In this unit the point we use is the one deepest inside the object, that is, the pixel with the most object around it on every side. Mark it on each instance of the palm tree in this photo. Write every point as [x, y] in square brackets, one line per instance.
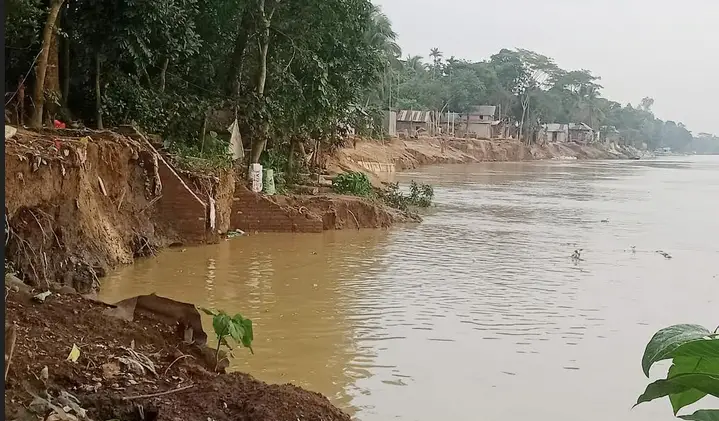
[436, 55]
[414, 63]
[436, 59]
[381, 36]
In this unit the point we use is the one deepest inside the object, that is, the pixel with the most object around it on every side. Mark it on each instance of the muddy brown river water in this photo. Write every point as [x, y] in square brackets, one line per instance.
[479, 312]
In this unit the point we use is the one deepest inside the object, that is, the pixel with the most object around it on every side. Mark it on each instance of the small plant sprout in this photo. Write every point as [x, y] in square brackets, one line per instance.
[237, 327]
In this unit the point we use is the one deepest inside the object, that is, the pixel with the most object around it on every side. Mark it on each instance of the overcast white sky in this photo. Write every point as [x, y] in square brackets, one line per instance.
[665, 49]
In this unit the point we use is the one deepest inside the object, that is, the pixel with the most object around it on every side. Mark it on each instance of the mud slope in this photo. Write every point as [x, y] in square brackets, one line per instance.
[109, 385]
[396, 154]
[80, 203]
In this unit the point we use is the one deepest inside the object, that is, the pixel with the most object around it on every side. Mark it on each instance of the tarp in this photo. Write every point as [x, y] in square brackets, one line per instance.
[165, 310]
[236, 148]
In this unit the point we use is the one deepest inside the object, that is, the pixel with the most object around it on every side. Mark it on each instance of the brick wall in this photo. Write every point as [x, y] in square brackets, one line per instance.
[179, 210]
[254, 212]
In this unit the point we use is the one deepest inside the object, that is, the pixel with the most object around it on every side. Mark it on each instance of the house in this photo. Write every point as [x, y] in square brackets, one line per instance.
[414, 122]
[479, 121]
[580, 133]
[555, 133]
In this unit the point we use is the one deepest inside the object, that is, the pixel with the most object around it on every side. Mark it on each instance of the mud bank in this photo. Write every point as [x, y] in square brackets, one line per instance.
[376, 157]
[79, 203]
[109, 385]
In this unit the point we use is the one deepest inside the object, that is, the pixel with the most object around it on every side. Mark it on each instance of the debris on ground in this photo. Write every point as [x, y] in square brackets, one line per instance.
[137, 369]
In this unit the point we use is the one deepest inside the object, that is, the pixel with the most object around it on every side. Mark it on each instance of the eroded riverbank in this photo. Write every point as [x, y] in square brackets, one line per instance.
[481, 299]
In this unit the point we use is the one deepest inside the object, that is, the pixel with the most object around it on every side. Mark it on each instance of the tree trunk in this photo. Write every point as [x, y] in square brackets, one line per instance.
[65, 71]
[41, 69]
[291, 157]
[233, 76]
[98, 94]
[258, 144]
[163, 74]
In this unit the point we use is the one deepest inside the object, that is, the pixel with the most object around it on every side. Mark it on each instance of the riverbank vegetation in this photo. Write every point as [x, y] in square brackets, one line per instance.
[295, 75]
[694, 373]
[358, 184]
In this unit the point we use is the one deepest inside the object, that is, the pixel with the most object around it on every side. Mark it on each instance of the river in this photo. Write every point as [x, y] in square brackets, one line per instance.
[479, 312]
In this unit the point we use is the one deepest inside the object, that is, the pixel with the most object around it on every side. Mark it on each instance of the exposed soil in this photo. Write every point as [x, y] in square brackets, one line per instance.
[76, 206]
[347, 212]
[81, 202]
[105, 387]
[376, 157]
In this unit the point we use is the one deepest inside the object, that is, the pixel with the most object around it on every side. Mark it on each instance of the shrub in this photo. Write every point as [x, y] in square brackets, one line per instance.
[354, 183]
[238, 328]
[694, 373]
[420, 195]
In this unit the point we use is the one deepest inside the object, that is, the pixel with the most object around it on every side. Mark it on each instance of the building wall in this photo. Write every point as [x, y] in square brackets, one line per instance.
[253, 212]
[482, 130]
[390, 122]
[580, 136]
[183, 212]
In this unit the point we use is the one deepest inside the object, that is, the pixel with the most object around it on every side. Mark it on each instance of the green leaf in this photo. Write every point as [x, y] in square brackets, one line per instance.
[703, 415]
[236, 331]
[683, 365]
[221, 324]
[249, 335]
[659, 389]
[703, 348]
[667, 340]
[707, 383]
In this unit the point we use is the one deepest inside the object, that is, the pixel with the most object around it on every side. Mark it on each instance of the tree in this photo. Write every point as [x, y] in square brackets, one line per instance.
[38, 96]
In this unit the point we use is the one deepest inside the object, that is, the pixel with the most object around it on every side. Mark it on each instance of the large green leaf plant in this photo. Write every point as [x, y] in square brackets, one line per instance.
[694, 373]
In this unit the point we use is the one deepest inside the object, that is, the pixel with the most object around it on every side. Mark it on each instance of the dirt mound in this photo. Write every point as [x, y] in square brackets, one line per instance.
[374, 157]
[72, 208]
[109, 388]
[81, 202]
[342, 212]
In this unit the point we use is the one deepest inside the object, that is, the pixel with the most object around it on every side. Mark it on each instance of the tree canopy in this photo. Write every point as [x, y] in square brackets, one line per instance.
[289, 70]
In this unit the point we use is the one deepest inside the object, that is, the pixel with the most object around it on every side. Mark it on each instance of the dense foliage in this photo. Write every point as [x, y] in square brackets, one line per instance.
[288, 70]
[354, 183]
[694, 373]
[294, 73]
[420, 196]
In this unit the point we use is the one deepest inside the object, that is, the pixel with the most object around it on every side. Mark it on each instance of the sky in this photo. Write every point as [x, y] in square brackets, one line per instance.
[664, 49]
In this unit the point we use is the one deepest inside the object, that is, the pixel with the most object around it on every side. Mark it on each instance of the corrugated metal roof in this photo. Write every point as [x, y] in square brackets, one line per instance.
[485, 110]
[555, 127]
[414, 116]
[579, 126]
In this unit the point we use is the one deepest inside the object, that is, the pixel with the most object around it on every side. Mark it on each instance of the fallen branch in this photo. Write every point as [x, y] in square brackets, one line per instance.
[152, 202]
[353, 215]
[119, 205]
[176, 360]
[154, 395]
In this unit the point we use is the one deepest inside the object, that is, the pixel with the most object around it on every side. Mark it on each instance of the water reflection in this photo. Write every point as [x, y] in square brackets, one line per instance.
[479, 312]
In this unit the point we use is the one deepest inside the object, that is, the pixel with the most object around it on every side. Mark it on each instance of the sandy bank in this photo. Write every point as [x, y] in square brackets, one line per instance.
[375, 157]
